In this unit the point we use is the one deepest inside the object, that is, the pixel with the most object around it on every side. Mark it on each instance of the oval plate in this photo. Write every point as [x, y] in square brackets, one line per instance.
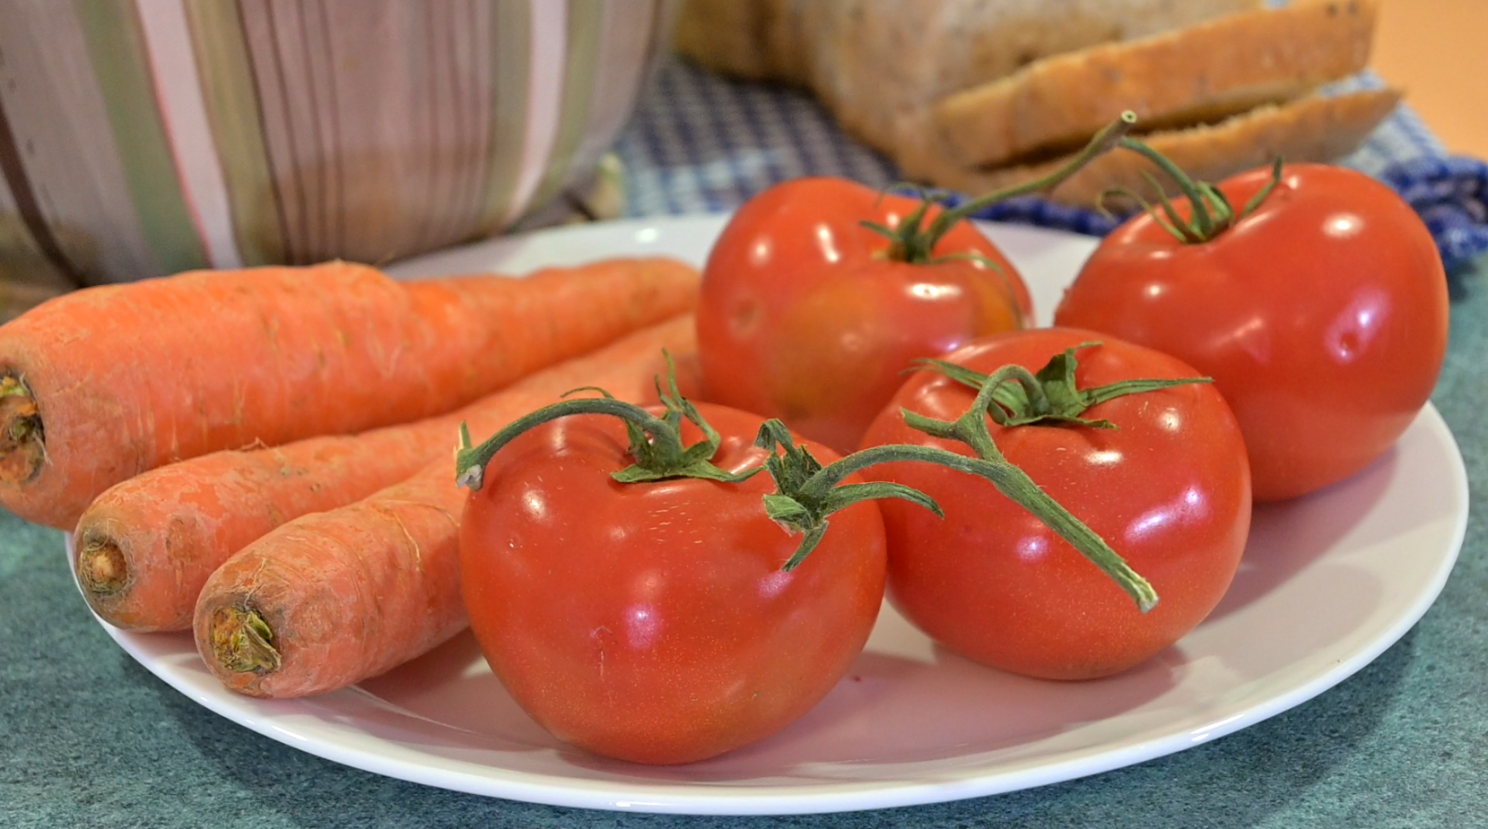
[1328, 583]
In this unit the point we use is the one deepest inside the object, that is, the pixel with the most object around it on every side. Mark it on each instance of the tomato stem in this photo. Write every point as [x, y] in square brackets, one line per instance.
[1102, 142]
[1012, 396]
[1015, 484]
[1212, 212]
[655, 442]
[910, 243]
[1053, 395]
[807, 493]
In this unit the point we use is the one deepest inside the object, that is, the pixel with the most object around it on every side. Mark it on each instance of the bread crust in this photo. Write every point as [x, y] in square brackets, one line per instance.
[895, 74]
[1315, 128]
[877, 64]
[1197, 74]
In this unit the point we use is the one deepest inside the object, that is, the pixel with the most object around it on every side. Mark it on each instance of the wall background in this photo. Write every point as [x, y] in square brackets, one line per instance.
[1437, 51]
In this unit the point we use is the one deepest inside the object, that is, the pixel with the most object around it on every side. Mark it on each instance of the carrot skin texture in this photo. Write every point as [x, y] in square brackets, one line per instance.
[146, 545]
[126, 378]
[347, 594]
[161, 534]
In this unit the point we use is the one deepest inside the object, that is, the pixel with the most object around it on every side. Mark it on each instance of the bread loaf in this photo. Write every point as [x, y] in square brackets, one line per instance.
[976, 95]
[876, 63]
[1314, 128]
[1198, 74]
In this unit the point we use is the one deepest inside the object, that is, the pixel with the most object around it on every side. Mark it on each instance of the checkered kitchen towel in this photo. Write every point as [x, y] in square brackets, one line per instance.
[699, 142]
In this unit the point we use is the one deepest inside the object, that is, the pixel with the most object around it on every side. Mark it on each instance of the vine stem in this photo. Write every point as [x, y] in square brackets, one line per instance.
[807, 492]
[909, 242]
[655, 442]
[1104, 141]
[1013, 482]
[1212, 212]
[471, 461]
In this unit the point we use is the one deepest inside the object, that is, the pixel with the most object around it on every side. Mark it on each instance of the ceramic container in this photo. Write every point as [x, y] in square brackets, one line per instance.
[147, 137]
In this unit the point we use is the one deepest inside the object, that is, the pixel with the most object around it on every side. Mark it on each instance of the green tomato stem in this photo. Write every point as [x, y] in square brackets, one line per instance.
[909, 242]
[809, 493]
[1012, 396]
[1104, 141]
[1053, 395]
[1212, 212]
[655, 442]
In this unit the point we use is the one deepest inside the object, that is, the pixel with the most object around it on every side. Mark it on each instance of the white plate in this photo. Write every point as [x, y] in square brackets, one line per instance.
[1328, 583]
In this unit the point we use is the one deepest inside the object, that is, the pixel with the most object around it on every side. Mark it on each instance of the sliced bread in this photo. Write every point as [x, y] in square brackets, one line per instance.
[1198, 74]
[1314, 128]
[876, 63]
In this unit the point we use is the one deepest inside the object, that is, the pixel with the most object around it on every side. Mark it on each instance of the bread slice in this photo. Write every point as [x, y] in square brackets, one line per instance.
[1193, 75]
[876, 63]
[1314, 128]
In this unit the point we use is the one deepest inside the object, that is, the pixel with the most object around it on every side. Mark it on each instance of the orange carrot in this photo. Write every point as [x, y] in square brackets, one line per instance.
[332, 598]
[105, 383]
[146, 546]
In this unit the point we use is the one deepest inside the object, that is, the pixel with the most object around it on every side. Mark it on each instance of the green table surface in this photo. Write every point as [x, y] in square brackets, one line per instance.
[90, 738]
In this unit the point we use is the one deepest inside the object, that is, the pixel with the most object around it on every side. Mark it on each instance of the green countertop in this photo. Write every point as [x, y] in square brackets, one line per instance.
[89, 738]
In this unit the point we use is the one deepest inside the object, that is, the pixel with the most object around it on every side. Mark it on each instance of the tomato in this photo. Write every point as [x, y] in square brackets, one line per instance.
[805, 316]
[653, 621]
[1168, 488]
[1322, 317]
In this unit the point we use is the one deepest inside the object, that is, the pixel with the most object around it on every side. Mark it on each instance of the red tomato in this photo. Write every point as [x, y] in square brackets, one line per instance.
[805, 317]
[652, 621]
[1168, 489]
[1321, 316]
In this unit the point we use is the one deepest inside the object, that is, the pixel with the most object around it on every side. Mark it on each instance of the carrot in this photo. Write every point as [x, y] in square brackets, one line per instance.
[331, 598]
[102, 384]
[146, 546]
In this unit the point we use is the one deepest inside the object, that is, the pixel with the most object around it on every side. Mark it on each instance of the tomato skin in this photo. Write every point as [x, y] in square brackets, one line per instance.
[803, 317]
[1322, 317]
[652, 622]
[1169, 490]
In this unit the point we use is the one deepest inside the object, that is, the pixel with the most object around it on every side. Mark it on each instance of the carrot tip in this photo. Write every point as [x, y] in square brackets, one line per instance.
[242, 642]
[22, 440]
[102, 568]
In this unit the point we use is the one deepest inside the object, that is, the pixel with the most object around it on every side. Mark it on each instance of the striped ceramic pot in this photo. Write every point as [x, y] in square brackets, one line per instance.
[146, 137]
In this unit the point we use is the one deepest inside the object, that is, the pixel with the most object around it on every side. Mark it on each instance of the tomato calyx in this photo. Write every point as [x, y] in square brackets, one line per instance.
[655, 442]
[911, 241]
[807, 492]
[1212, 212]
[1011, 394]
[1052, 395]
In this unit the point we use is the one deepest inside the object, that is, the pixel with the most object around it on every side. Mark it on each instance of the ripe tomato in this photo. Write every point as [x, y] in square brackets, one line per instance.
[1321, 316]
[653, 621]
[1168, 488]
[807, 317]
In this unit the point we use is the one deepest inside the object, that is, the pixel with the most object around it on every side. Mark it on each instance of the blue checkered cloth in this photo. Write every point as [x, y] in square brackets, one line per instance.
[699, 142]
